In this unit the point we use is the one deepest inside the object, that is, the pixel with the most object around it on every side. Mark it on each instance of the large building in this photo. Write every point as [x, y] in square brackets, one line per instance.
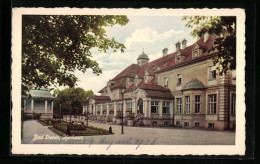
[182, 88]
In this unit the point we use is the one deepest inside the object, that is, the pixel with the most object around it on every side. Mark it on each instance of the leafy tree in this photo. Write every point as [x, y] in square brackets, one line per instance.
[225, 30]
[71, 100]
[54, 46]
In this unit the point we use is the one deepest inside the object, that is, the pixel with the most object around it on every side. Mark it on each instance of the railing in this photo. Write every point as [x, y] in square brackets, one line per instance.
[155, 115]
[166, 115]
[138, 117]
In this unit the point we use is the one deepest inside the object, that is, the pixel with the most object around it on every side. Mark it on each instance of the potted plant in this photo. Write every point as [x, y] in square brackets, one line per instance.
[130, 120]
[119, 118]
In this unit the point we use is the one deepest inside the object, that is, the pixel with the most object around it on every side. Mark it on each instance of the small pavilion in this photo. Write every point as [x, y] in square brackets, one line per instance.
[38, 101]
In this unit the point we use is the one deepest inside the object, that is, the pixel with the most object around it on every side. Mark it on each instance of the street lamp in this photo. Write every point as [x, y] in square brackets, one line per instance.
[122, 131]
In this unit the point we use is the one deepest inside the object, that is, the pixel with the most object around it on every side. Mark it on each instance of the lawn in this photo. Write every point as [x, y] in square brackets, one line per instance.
[73, 129]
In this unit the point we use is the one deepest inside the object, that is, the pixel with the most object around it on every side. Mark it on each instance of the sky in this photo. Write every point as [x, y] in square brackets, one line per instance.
[148, 33]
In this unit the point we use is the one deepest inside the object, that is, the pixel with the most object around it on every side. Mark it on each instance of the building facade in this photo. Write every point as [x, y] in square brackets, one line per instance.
[183, 88]
[38, 101]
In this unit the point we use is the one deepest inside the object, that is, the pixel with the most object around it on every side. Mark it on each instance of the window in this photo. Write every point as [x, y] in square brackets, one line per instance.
[166, 82]
[166, 107]
[233, 104]
[98, 108]
[119, 107]
[48, 105]
[39, 105]
[197, 103]
[136, 82]
[187, 104]
[213, 104]
[104, 107]
[154, 106]
[178, 60]
[212, 73]
[129, 106]
[186, 124]
[195, 53]
[166, 123]
[179, 77]
[111, 106]
[178, 123]
[211, 125]
[28, 104]
[179, 105]
[197, 124]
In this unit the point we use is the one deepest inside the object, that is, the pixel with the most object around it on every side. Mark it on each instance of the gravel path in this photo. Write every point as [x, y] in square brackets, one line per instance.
[132, 135]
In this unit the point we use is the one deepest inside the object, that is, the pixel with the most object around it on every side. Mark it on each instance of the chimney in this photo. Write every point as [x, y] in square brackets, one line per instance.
[184, 43]
[165, 51]
[178, 46]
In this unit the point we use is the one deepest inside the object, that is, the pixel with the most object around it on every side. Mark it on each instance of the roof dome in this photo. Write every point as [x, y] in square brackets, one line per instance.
[193, 84]
[143, 56]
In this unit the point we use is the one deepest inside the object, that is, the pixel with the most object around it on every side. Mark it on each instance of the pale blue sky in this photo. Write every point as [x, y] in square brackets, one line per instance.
[151, 33]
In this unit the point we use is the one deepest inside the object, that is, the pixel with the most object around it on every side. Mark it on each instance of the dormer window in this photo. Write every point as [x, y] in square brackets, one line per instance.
[179, 79]
[166, 82]
[178, 60]
[196, 53]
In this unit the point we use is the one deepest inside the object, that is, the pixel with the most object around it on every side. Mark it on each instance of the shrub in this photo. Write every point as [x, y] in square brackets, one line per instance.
[36, 115]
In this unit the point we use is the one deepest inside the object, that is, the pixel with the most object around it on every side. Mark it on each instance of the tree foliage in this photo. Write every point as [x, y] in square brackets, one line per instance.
[54, 46]
[71, 100]
[225, 30]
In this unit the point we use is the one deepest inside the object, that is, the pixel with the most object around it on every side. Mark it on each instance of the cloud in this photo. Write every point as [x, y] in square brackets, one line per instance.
[148, 35]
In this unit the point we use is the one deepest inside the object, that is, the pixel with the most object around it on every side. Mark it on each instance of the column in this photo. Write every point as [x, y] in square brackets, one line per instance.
[149, 108]
[171, 109]
[32, 103]
[101, 109]
[115, 108]
[107, 109]
[160, 108]
[46, 105]
[51, 106]
[124, 108]
[94, 109]
[134, 107]
[145, 107]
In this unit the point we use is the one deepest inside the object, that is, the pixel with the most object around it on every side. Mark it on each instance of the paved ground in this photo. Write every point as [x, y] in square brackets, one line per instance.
[34, 133]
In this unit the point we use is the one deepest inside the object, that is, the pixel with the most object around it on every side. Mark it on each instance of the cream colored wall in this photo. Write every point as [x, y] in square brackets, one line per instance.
[197, 70]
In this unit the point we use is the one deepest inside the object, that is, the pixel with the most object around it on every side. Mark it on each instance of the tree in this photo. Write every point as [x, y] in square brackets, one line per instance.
[71, 100]
[225, 30]
[54, 46]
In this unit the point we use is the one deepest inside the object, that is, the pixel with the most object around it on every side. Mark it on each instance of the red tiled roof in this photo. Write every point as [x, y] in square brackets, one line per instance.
[119, 83]
[159, 94]
[103, 90]
[101, 99]
[130, 71]
[154, 87]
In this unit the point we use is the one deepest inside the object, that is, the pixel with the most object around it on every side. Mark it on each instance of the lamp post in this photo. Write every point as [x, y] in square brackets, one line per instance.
[122, 130]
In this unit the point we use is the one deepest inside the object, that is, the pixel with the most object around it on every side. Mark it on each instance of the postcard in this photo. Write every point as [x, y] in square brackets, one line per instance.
[99, 81]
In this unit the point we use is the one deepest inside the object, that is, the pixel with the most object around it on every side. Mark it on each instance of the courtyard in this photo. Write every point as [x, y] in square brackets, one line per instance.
[35, 133]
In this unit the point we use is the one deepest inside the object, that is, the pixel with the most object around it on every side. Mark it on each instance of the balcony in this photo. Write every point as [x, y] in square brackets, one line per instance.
[166, 116]
[155, 115]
